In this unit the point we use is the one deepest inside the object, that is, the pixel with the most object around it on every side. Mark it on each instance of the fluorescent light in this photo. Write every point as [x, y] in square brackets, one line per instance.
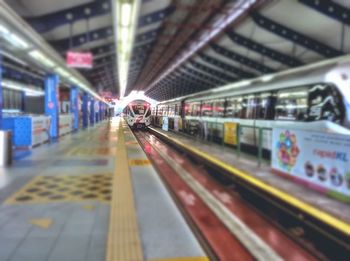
[126, 9]
[125, 22]
[28, 89]
[62, 72]
[40, 57]
[4, 30]
[18, 41]
[12, 38]
[267, 78]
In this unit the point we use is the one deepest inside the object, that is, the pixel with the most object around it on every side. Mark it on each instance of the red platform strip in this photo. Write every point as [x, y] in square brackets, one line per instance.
[221, 241]
[276, 239]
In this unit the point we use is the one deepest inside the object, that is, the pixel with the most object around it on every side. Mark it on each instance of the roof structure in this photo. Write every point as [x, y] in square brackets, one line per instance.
[186, 46]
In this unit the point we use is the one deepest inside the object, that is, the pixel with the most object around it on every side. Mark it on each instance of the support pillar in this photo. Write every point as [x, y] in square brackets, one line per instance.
[23, 101]
[101, 110]
[1, 96]
[97, 111]
[85, 110]
[92, 111]
[51, 103]
[74, 107]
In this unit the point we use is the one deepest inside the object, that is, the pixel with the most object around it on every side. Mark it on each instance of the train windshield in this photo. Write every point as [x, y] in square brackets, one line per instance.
[139, 109]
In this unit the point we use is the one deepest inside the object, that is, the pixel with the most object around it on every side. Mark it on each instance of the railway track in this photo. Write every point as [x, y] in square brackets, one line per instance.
[231, 222]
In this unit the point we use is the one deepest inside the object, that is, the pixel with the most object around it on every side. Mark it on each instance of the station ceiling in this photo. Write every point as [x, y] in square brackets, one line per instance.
[186, 46]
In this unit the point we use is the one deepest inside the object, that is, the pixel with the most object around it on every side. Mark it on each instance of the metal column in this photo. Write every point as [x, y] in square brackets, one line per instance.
[1, 97]
[51, 103]
[92, 111]
[74, 107]
[85, 110]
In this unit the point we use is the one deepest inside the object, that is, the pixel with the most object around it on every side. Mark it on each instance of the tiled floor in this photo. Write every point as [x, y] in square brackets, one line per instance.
[76, 227]
[55, 201]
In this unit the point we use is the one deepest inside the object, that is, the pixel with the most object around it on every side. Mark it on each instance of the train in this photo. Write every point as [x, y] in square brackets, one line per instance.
[138, 114]
[311, 97]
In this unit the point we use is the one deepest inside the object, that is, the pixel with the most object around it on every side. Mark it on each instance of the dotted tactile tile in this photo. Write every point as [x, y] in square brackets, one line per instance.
[44, 189]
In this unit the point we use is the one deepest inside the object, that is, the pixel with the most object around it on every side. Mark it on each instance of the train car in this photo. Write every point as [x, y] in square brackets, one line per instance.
[313, 97]
[138, 114]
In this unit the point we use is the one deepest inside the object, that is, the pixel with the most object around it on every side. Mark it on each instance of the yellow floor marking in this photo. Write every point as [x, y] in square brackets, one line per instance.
[139, 162]
[44, 223]
[89, 207]
[123, 238]
[311, 210]
[64, 188]
[195, 258]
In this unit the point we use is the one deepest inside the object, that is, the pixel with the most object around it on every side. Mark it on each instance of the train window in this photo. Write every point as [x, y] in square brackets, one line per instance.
[171, 110]
[234, 107]
[242, 108]
[139, 109]
[177, 109]
[188, 109]
[325, 103]
[165, 110]
[251, 102]
[207, 109]
[292, 105]
[196, 109]
[219, 108]
[265, 106]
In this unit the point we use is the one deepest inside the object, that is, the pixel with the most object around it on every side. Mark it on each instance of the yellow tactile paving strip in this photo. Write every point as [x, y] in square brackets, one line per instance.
[64, 188]
[199, 258]
[123, 243]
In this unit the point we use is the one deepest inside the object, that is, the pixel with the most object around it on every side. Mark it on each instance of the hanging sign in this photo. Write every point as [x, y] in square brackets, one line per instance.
[79, 60]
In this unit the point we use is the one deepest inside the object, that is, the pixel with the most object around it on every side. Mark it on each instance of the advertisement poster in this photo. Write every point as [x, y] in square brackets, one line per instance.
[165, 125]
[321, 159]
[230, 130]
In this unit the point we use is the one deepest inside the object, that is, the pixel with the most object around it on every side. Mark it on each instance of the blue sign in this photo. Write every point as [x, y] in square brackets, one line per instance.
[51, 103]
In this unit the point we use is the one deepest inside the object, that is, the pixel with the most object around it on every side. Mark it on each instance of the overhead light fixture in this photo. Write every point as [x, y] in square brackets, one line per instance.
[28, 89]
[12, 38]
[40, 57]
[125, 21]
[62, 73]
[126, 9]
[267, 78]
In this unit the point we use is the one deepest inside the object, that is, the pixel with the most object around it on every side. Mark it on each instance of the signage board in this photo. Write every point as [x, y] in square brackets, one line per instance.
[319, 159]
[230, 133]
[79, 60]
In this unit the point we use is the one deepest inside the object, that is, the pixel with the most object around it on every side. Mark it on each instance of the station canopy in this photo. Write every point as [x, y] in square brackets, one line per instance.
[170, 48]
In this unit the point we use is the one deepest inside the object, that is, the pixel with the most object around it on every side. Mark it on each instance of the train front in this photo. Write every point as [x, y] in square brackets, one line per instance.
[139, 114]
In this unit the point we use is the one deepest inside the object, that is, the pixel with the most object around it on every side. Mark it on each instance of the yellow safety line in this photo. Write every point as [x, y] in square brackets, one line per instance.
[195, 258]
[316, 213]
[123, 238]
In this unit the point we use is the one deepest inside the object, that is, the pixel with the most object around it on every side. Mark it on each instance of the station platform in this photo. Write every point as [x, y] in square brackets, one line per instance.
[326, 210]
[91, 196]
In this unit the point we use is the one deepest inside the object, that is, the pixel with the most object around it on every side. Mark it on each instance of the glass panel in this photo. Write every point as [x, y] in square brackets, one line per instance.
[292, 105]
[207, 109]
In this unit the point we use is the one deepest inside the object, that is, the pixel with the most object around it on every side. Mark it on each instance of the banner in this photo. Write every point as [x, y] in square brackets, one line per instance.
[165, 125]
[79, 60]
[317, 158]
[230, 133]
